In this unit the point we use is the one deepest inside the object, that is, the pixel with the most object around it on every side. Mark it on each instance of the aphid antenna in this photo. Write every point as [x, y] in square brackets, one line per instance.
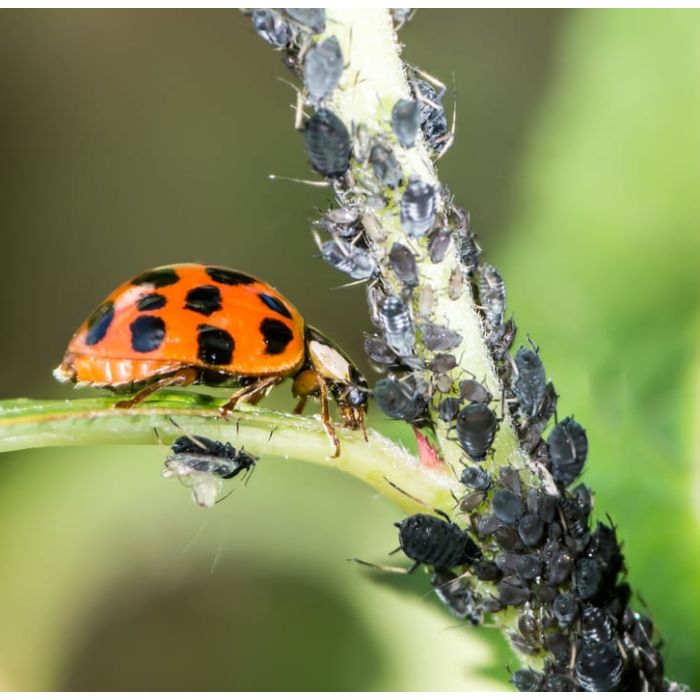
[194, 439]
[299, 181]
[408, 18]
[349, 284]
[449, 138]
[416, 499]
[535, 347]
[386, 569]
[272, 432]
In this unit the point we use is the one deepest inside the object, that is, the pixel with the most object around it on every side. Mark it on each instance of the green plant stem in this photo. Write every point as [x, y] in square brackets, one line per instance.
[26, 424]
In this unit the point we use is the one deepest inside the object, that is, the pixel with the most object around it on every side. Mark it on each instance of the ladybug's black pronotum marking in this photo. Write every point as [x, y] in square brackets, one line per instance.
[162, 277]
[476, 430]
[204, 300]
[98, 324]
[151, 302]
[418, 206]
[277, 335]
[323, 66]
[436, 542]
[405, 121]
[275, 304]
[327, 144]
[147, 333]
[214, 345]
[230, 277]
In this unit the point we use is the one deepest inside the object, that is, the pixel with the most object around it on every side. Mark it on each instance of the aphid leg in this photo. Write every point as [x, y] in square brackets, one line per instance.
[313, 183]
[254, 391]
[182, 377]
[387, 569]
[449, 138]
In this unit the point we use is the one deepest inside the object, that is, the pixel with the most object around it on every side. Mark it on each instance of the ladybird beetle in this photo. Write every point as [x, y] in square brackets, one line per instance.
[196, 324]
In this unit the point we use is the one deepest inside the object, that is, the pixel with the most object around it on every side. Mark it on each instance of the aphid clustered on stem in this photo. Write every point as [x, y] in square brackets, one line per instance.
[526, 554]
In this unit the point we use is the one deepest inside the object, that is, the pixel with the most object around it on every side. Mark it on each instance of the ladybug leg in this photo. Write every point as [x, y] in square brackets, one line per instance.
[301, 403]
[326, 418]
[251, 394]
[183, 377]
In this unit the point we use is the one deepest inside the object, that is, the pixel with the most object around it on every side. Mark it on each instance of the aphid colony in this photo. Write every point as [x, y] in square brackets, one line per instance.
[531, 547]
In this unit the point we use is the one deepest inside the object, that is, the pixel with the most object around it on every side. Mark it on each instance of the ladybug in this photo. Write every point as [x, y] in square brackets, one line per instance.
[197, 324]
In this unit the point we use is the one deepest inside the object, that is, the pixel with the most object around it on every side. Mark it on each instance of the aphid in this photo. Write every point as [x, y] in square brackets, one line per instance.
[448, 409]
[473, 391]
[418, 207]
[510, 592]
[439, 338]
[605, 550]
[379, 352]
[507, 538]
[528, 567]
[400, 399]
[596, 626]
[327, 144]
[433, 120]
[436, 542]
[395, 319]
[486, 570]
[492, 295]
[476, 478]
[529, 640]
[455, 285]
[530, 530]
[599, 667]
[476, 430]
[486, 525]
[469, 250]
[438, 244]
[271, 27]
[196, 324]
[456, 596]
[559, 683]
[405, 121]
[323, 66]
[350, 259]
[442, 362]
[531, 432]
[560, 646]
[509, 478]
[565, 609]
[559, 567]
[314, 18]
[342, 223]
[568, 449]
[375, 299]
[426, 300]
[576, 519]
[507, 506]
[443, 383]
[588, 578]
[403, 263]
[471, 501]
[501, 339]
[203, 464]
[530, 381]
[385, 166]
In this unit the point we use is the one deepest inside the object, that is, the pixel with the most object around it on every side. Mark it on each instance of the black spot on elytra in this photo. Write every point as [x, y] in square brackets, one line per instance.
[277, 335]
[98, 324]
[204, 300]
[226, 276]
[215, 345]
[275, 304]
[151, 302]
[147, 333]
[162, 277]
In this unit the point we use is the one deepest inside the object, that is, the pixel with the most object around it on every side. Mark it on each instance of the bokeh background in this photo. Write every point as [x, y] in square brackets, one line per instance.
[130, 139]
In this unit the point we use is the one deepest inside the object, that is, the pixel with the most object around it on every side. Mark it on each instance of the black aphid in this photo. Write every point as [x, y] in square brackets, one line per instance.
[314, 18]
[399, 399]
[385, 166]
[350, 259]
[599, 667]
[559, 683]
[476, 430]
[418, 207]
[396, 322]
[405, 121]
[343, 222]
[438, 243]
[271, 27]
[379, 352]
[433, 120]
[327, 144]
[596, 625]
[448, 409]
[530, 530]
[473, 391]
[469, 250]
[568, 449]
[430, 540]
[456, 596]
[442, 362]
[440, 338]
[565, 609]
[511, 592]
[559, 567]
[323, 66]
[486, 570]
[530, 381]
[588, 578]
[492, 295]
[476, 478]
[403, 263]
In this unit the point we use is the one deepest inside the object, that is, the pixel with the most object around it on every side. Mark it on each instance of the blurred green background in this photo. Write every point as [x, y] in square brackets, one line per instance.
[130, 139]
